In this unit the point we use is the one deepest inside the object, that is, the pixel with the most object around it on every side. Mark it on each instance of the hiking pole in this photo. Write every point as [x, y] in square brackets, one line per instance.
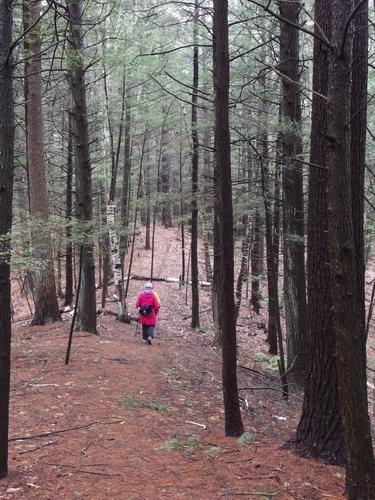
[137, 327]
[67, 356]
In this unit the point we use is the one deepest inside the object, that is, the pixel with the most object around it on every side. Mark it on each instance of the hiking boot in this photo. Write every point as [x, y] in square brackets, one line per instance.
[149, 340]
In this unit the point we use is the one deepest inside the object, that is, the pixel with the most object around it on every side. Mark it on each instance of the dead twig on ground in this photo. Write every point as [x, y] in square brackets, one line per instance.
[61, 431]
[48, 443]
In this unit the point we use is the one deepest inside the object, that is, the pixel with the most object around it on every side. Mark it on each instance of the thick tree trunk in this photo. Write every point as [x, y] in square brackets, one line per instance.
[346, 301]
[194, 178]
[223, 193]
[358, 123]
[6, 191]
[45, 297]
[86, 314]
[320, 431]
[293, 212]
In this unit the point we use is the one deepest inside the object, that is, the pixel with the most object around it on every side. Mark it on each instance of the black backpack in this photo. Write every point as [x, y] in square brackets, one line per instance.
[146, 309]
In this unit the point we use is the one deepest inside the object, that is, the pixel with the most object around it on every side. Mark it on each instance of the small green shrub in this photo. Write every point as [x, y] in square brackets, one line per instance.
[188, 444]
[246, 438]
[170, 445]
[273, 364]
[272, 361]
[214, 451]
[192, 442]
[132, 402]
[260, 356]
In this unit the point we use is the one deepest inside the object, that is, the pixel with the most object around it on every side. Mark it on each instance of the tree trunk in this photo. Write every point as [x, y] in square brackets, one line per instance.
[273, 300]
[358, 117]
[45, 297]
[346, 300]
[320, 431]
[104, 244]
[243, 274]
[125, 185]
[255, 260]
[6, 191]
[194, 177]
[223, 193]
[165, 174]
[69, 215]
[148, 204]
[293, 217]
[116, 262]
[182, 211]
[86, 314]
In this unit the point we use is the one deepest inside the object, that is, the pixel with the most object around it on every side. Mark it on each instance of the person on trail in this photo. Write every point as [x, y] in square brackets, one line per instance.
[148, 307]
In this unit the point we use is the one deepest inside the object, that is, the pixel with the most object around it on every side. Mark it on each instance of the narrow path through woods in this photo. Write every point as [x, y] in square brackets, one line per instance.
[128, 408]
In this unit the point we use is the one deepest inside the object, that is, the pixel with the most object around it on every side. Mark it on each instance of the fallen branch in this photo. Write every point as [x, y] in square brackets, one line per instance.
[203, 426]
[48, 443]
[256, 493]
[76, 470]
[52, 433]
[61, 431]
[258, 372]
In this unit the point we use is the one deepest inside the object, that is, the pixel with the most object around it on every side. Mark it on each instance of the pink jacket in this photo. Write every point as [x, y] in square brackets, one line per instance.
[148, 299]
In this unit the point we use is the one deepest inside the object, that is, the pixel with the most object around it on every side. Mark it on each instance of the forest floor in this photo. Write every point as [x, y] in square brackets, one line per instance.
[120, 422]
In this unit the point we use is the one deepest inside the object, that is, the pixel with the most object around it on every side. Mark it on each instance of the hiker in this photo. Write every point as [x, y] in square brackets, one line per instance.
[148, 307]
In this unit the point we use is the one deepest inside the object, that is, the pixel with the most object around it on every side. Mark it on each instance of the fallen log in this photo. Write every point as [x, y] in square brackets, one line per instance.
[137, 277]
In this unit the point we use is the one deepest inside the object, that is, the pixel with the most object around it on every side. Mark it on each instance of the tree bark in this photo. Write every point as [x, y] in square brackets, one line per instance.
[273, 297]
[86, 314]
[194, 177]
[165, 174]
[243, 273]
[224, 206]
[255, 261]
[293, 212]
[6, 191]
[351, 362]
[358, 124]
[45, 296]
[320, 431]
[69, 215]
[125, 184]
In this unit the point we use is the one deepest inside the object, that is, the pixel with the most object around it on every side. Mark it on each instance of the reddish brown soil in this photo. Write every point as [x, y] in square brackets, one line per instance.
[110, 450]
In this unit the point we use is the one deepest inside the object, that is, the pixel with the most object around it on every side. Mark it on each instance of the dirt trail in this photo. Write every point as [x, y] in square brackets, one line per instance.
[136, 402]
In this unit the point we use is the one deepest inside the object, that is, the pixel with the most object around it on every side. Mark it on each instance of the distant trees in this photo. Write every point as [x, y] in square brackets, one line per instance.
[6, 192]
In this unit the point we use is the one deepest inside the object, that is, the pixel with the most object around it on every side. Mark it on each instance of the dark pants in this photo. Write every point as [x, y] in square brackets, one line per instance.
[148, 331]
